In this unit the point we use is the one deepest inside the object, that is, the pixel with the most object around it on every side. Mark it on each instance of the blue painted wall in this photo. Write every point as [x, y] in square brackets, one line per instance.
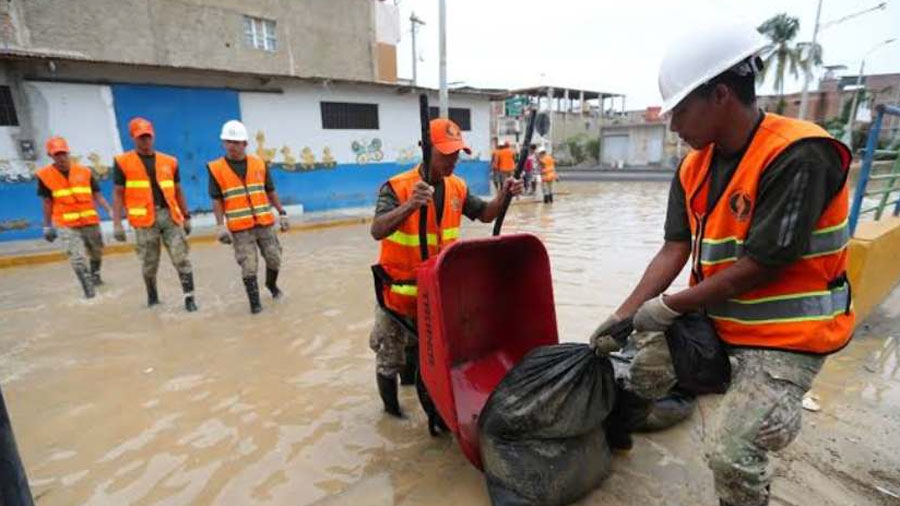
[187, 123]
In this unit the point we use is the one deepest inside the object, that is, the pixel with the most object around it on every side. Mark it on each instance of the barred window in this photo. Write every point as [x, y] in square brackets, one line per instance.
[8, 115]
[349, 116]
[459, 115]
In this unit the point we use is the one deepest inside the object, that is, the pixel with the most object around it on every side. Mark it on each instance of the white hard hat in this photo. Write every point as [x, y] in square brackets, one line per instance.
[234, 130]
[703, 54]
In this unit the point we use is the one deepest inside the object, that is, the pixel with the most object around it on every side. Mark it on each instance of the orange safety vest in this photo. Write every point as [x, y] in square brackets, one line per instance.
[506, 160]
[246, 202]
[139, 203]
[548, 169]
[807, 308]
[400, 255]
[72, 201]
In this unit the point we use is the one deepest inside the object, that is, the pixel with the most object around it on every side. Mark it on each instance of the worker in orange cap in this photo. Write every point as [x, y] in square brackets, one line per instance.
[396, 225]
[69, 192]
[148, 191]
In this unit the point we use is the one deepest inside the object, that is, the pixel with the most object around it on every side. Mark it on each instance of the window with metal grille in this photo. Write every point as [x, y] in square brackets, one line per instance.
[459, 115]
[260, 33]
[349, 116]
[7, 108]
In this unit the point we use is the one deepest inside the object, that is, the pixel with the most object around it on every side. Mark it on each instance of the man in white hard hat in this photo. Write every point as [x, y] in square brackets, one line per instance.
[760, 207]
[243, 196]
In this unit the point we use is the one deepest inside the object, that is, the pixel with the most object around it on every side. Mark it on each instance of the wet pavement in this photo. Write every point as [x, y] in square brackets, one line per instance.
[116, 404]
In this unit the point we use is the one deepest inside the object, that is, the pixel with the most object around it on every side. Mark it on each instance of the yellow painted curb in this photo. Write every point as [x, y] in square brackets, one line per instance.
[46, 257]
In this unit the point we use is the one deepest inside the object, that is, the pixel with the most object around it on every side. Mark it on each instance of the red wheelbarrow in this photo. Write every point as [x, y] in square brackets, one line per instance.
[483, 304]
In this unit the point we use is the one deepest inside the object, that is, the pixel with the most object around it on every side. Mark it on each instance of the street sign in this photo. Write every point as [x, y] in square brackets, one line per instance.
[515, 106]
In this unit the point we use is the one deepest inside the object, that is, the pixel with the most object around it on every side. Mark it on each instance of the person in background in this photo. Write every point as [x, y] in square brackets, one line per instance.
[147, 189]
[548, 174]
[243, 196]
[506, 163]
[528, 170]
[70, 196]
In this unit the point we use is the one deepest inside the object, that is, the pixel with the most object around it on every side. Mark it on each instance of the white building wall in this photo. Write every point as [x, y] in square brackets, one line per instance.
[292, 120]
[82, 113]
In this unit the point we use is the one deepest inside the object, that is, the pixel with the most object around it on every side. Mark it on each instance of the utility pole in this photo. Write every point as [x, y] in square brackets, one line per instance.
[444, 97]
[807, 73]
[414, 21]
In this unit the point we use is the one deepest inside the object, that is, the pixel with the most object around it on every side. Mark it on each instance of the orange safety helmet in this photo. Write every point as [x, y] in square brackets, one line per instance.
[57, 144]
[140, 126]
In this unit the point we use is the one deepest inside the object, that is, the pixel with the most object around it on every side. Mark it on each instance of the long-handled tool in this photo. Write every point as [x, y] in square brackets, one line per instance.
[520, 166]
[425, 119]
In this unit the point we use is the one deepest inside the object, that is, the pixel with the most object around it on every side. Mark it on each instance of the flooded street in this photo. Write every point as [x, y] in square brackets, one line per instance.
[115, 404]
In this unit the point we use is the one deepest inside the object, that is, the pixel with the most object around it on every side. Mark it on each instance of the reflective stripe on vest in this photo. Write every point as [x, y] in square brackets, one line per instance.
[823, 305]
[400, 253]
[822, 242]
[71, 195]
[806, 306]
[245, 202]
[139, 196]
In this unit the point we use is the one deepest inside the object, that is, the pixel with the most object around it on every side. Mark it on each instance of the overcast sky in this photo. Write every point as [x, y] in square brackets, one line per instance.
[617, 45]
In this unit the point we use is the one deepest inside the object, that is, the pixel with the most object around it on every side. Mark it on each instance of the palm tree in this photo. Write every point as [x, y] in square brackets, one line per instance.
[780, 56]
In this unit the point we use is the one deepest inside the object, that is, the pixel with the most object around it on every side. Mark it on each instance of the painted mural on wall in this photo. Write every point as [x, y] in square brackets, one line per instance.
[367, 151]
[288, 161]
[13, 172]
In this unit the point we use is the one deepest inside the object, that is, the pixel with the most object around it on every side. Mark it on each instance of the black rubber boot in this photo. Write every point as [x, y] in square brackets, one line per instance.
[436, 424]
[253, 294]
[387, 389]
[546, 199]
[408, 375]
[152, 296]
[628, 414]
[87, 283]
[187, 286]
[95, 273]
[551, 198]
[272, 283]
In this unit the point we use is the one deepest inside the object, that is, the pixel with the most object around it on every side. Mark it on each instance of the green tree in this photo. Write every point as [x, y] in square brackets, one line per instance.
[780, 56]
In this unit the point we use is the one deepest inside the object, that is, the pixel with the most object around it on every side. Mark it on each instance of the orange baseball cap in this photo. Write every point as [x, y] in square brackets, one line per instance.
[57, 144]
[446, 136]
[140, 126]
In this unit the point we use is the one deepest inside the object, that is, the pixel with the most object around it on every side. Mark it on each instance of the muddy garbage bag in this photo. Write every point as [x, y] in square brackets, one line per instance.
[542, 431]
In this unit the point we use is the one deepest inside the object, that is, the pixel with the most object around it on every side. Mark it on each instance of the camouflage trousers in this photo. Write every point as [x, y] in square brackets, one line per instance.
[389, 340]
[246, 244]
[761, 412]
[82, 244]
[149, 241]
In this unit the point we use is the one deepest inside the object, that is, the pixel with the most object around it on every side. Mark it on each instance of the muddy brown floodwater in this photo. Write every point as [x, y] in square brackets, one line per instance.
[115, 404]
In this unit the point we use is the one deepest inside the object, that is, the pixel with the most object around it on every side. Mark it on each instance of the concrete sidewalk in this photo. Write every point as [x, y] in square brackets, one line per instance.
[38, 251]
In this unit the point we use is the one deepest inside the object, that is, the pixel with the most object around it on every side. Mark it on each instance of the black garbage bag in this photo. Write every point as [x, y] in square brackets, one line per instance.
[542, 431]
[701, 363]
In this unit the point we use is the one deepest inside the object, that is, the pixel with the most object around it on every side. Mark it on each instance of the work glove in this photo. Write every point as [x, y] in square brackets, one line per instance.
[611, 335]
[283, 223]
[187, 226]
[49, 234]
[224, 234]
[119, 232]
[654, 316]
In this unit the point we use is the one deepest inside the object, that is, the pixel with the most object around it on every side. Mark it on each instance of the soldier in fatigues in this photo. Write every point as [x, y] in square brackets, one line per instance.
[243, 196]
[69, 191]
[760, 207]
[396, 226]
[148, 191]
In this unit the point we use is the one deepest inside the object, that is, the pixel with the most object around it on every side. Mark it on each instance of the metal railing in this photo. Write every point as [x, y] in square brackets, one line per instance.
[889, 189]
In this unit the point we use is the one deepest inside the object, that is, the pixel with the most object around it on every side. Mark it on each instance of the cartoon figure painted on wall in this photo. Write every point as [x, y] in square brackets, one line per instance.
[307, 159]
[327, 158]
[268, 155]
[289, 163]
[100, 170]
[366, 153]
[409, 154]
